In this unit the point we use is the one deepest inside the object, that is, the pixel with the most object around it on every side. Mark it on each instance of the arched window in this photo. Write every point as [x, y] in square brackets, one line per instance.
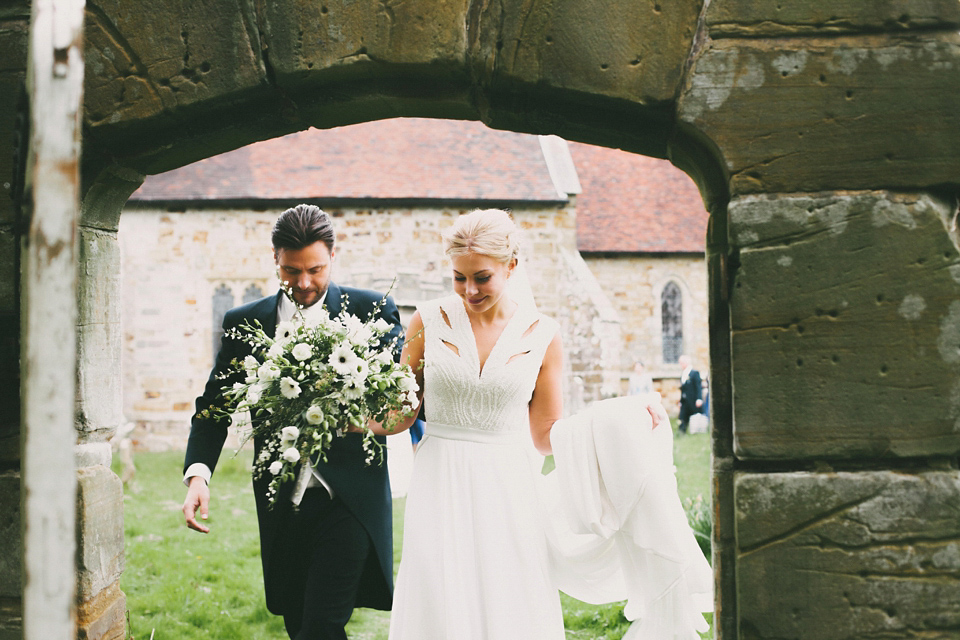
[671, 316]
[252, 293]
[222, 302]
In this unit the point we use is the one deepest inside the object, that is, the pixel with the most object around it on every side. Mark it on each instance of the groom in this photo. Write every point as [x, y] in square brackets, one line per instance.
[335, 551]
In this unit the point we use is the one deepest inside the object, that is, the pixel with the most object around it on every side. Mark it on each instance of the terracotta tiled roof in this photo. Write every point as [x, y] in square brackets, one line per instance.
[389, 159]
[635, 204]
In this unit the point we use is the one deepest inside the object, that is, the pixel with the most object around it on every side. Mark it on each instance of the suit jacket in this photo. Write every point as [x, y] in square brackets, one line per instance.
[364, 489]
[690, 392]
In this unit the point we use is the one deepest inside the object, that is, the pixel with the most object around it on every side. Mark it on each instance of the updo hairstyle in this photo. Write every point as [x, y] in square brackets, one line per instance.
[487, 232]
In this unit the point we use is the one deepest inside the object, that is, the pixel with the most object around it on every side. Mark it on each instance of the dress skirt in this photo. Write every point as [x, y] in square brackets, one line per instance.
[475, 555]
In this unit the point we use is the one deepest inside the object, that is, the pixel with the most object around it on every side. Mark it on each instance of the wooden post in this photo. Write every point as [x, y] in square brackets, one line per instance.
[49, 312]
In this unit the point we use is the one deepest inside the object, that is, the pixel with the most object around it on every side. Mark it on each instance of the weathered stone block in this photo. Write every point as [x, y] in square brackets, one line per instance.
[9, 348]
[146, 59]
[105, 196]
[316, 36]
[13, 63]
[99, 277]
[10, 552]
[99, 404]
[848, 555]
[11, 619]
[845, 321]
[100, 557]
[629, 49]
[777, 19]
[808, 115]
[103, 617]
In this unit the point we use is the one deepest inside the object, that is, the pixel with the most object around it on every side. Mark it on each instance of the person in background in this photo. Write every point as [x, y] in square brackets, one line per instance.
[640, 381]
[690, 392]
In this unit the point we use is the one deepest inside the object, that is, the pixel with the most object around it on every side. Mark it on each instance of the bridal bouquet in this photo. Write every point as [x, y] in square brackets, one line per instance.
[307, 384]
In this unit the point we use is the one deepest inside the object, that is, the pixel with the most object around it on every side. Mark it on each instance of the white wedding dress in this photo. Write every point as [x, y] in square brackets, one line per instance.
[488, 541]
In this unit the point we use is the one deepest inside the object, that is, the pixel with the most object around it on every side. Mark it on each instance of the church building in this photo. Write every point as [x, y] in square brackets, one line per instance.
[613, 245]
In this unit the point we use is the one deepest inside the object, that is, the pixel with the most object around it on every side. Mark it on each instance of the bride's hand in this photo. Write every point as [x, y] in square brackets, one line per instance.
[655, 408]
[654, 416]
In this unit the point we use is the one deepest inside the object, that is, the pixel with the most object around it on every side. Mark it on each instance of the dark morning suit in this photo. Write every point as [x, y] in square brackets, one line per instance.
[364, 490]
[690, 391]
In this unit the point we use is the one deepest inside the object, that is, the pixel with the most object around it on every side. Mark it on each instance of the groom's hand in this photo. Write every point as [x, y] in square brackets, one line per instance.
[198, 497]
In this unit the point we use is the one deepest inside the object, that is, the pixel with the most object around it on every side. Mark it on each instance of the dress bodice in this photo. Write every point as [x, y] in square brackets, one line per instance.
[457, 392]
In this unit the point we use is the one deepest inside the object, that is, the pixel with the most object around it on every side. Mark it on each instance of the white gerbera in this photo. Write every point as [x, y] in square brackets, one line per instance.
[302, 351]
[276, 467]
[268, 371]
[314, 414]
[291, 455]
[290, 434]
[353, 388]
[289, 387]
[342, 359]
[285, 331]
[359, 369]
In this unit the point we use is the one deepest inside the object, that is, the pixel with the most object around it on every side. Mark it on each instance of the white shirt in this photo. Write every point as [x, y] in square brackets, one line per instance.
[312, 478]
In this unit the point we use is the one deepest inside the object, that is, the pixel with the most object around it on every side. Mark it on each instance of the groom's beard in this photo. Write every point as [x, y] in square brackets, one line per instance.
[308, 297]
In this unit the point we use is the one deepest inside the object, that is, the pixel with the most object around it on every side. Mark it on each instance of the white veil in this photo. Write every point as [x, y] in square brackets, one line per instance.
[518, 286]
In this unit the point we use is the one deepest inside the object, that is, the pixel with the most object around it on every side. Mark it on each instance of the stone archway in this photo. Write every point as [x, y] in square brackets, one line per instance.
[826, 143]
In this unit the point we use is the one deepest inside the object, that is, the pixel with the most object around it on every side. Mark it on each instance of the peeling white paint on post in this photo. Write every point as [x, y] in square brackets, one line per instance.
[48, 345]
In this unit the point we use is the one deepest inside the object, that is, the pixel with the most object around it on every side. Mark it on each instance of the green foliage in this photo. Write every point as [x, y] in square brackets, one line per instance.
[190, 586]
[698, 515]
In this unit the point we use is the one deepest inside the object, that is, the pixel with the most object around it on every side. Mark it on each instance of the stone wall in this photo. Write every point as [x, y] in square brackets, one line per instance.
[633, 285]
[13, 53]
[173, 263]
[831, 129]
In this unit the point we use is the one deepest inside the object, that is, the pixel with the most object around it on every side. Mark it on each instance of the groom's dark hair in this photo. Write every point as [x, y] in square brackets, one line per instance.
[301, 226]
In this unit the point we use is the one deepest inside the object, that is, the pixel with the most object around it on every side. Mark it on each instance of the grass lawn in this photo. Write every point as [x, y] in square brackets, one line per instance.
[183, 585]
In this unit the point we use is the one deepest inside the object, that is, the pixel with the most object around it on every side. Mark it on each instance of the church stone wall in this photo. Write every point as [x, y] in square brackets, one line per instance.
[634, 283]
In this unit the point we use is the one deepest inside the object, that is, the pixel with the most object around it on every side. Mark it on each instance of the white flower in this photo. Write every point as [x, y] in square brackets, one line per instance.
[412, 398]
[276, 466]
[384, 357]
[302, 351]
[251, 364]
[254, 393]
[289, 387]
[381, 326]
[285, 331]
[407, 383]
[291, 455]
[268, 371]
[342, 359]
[290, 434]
[357, 332]
[275, 351]
[314, 414]
[359, 369]
[353, 388]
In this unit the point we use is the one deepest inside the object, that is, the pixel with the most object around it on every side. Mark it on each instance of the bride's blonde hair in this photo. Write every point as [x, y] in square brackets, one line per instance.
[488, 232]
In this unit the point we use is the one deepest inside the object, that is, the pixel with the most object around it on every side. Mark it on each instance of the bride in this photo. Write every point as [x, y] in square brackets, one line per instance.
[488, 541]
